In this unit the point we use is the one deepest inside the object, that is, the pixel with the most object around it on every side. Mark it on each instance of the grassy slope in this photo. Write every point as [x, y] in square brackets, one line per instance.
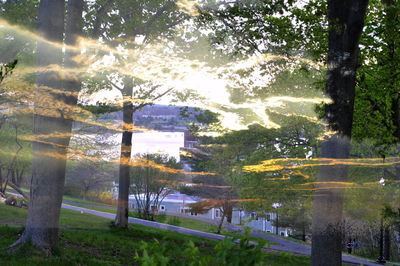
[72, 199]
[184, 222]
[86, 240]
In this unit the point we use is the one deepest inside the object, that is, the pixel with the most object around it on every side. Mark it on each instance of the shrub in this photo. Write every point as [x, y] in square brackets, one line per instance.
[229, 252]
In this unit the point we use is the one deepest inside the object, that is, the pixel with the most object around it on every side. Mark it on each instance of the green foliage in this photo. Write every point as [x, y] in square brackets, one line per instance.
[189, 255]
[100, 108]
[245, 27]
[22, 13]
[227, 252]
[157, 252]
[378, 78]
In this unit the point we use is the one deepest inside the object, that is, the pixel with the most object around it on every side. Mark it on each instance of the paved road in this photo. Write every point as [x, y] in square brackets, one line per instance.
[281, 244]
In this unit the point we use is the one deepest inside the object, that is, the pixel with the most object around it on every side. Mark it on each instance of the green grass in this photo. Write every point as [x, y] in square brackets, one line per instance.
[77, 200]
[194, 224]
[88, 240]
[101, 209]
[72, 199]
[187, 223]
[291, 239]
[184, 222]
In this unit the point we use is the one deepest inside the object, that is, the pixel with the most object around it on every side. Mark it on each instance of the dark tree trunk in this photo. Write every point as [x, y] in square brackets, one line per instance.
[328, 205]
[396, 115]
[121, 219]
[346, 20]
[48, 161]
[13, 178]
[277, 223]
[386, 243]
[52, 123]
[228, 209]
[221, 223]
[73, 32]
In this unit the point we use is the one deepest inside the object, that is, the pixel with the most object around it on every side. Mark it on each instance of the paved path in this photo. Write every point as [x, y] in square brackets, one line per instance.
[281, 244]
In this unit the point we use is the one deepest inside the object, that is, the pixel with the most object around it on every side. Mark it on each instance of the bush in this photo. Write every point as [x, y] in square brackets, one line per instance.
[73, 191]
[227, 252]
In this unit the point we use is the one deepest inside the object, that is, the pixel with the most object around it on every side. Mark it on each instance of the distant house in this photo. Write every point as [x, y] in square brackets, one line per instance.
[258, 222]
[177, 204]
[190, 140]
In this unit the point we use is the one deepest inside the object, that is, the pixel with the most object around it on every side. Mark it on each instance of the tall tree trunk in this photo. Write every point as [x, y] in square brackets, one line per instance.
[48, 161]
[121, 219]
[228, 209]
[328, 205]
[221, 223]
[386, 243]
[52, 123]
[277, 223]
[397, 228]
[346, 21]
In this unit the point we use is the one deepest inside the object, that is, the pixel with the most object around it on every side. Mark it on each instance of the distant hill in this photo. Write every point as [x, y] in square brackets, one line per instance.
[157, 117]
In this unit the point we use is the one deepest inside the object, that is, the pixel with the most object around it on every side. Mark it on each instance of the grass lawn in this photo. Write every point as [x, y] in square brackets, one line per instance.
[88, 240]
[77, 200]
[183, 221]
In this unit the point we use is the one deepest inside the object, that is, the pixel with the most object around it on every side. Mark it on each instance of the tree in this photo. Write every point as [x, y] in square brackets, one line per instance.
[297, 217]
[346, 21]
[377, 85]
[89, 176]
[52, 129]
[152, 180]
[215, 192]
[15, 158]
[149, 21]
